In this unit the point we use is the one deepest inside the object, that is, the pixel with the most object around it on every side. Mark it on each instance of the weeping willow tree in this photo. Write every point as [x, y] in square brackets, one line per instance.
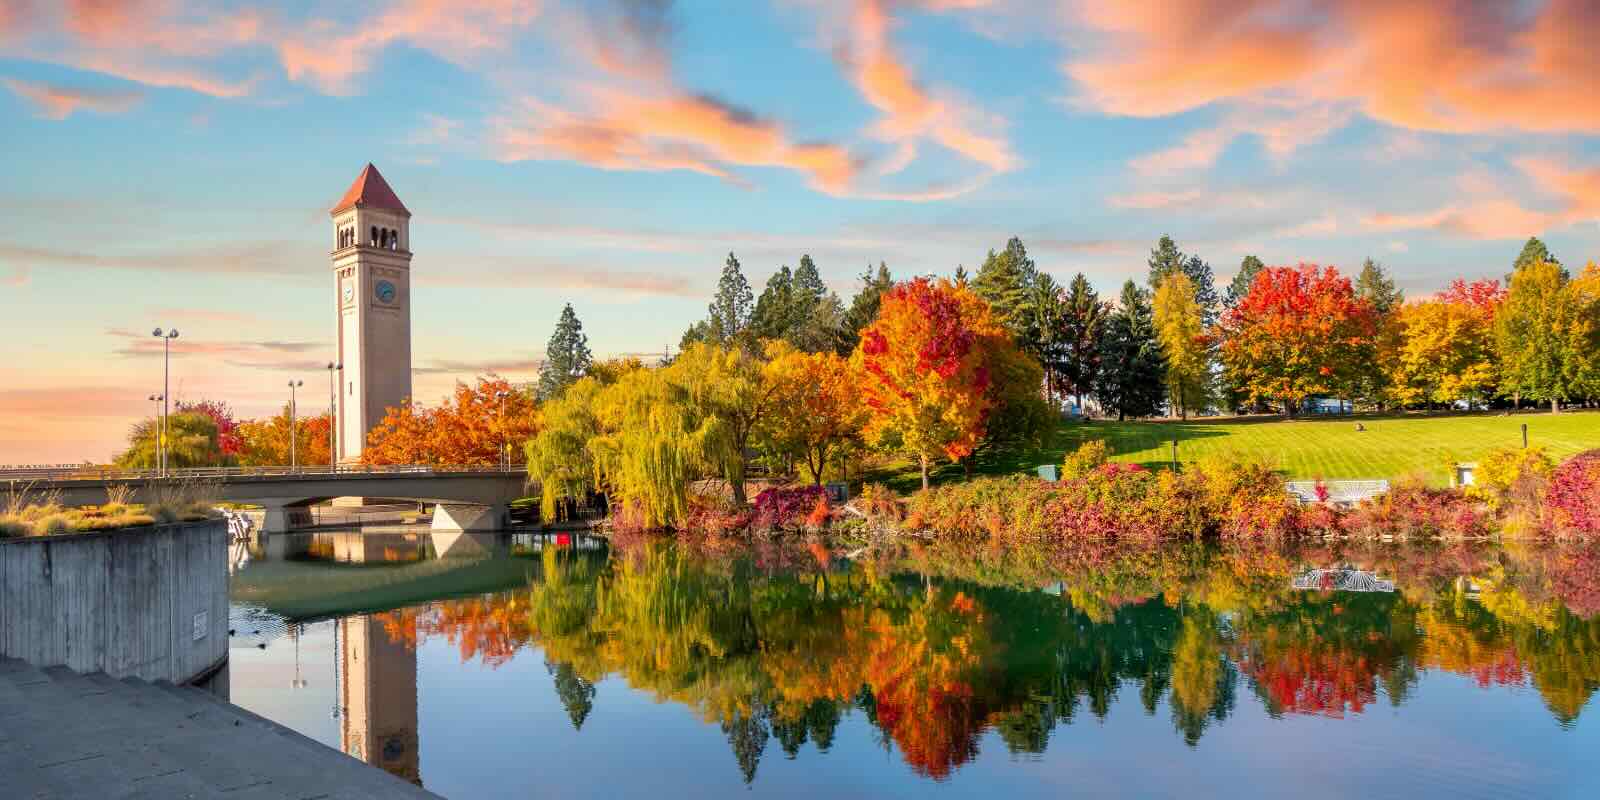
[192, 441]
[558, 457]
[729, 387]
[652, 443]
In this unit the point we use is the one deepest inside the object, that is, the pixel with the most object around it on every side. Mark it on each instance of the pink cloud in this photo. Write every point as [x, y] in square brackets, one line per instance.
[58, 102]
[1486, 215]
[1441, 65]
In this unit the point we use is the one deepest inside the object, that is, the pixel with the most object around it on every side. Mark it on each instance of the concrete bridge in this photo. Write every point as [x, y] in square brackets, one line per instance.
[464, 498]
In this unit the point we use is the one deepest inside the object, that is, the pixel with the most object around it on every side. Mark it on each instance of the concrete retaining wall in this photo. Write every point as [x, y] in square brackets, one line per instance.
[150, 603]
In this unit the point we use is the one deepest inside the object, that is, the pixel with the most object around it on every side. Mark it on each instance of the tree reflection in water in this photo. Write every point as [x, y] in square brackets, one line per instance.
[781, 645]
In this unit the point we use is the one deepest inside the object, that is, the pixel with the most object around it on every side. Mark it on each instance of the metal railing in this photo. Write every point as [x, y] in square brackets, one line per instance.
[92, 472]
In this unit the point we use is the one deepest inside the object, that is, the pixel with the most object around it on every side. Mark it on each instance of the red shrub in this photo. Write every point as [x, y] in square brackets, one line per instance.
[1572, 503]
[1414, 511]
[780, 508]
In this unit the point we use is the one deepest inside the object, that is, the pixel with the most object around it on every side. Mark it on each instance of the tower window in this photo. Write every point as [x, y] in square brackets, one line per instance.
[374, 236]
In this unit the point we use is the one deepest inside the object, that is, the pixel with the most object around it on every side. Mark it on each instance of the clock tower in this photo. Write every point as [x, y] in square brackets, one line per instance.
[372, 299]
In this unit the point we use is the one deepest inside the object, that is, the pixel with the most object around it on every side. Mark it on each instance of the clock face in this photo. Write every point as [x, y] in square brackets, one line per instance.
[384, 291]
[349, 292]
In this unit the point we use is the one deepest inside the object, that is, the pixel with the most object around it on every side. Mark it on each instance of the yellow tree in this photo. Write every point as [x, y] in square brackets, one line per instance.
[728, 387]
[925, 367]
[814, 407]
[266, 441]
[1584, 347]
[1180, 328]
[1444, 354]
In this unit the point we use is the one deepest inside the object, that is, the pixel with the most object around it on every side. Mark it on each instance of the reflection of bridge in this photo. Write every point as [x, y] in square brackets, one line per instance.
[466, 498]
[1342, 580]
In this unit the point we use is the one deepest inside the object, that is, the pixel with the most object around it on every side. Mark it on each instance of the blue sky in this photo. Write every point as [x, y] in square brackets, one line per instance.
[171, 163]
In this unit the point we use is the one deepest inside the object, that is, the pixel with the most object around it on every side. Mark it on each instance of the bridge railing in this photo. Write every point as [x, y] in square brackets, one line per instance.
[90, 472]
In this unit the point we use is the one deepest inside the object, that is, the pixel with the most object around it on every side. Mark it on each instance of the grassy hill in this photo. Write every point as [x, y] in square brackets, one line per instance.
[1392, 446]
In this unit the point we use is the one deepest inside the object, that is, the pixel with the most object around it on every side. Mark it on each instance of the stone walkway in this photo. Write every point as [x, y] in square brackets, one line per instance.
[68, 735]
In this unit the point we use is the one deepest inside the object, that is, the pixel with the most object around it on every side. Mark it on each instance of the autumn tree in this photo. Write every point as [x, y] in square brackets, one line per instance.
[477, 425]
[1083, 319]
[1377, 287]
[1132, 371]
[1584, 333]
[1180, 328]
[1533, 335]
[228, 438]
[266, 440]
[1445, 353]
[1167, 260]
[566, 356]
[925, 367]
[1299, 332]
[813, 408]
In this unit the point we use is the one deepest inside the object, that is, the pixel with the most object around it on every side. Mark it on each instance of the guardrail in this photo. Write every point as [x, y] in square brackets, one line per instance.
[87, 472]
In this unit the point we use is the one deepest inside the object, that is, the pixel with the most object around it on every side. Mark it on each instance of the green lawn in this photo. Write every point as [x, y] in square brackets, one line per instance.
[1392, 446]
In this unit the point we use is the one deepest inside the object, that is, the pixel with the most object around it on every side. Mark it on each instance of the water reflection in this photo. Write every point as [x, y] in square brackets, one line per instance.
[944, 654]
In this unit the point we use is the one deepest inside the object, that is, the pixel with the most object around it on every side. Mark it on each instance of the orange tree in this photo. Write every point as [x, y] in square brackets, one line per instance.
[1299, 331]
[813, 408]
[926, 366]
[470, 428]
[265, 442]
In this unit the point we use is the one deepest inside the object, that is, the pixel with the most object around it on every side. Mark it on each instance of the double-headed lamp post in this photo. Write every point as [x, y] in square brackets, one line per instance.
[333, 457]
[292, 386]
[156, 400]
[505, 444]
[166, 338]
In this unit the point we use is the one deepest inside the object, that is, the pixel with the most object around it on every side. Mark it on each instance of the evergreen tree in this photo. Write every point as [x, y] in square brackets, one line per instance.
[1534, 252]
[1004, 280]
[747, 733]
[1046, 317]
[961, 277]
[728, 316]
[575, 693]
[566, 356]
[776, 311]
[1083, 321]
[822, 329]
[1242, 280]
[809, 290]
[864, 306]
[1132, 370]
[1376, 287]
[1166, 259]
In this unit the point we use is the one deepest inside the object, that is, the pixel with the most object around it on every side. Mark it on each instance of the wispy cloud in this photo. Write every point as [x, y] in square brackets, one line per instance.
[1486, 214]
[59, 102]
[265, 258]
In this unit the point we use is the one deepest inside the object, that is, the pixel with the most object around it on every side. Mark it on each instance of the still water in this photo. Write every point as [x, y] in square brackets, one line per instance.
[515, 665]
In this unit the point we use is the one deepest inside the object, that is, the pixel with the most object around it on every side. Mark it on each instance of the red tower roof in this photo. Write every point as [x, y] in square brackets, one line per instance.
[370, 191]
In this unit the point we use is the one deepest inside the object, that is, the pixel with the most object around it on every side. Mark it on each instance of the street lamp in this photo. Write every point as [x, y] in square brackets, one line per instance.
[505, 445]
[292, 386]
[333, 417]
[166, 338]
[156, 399]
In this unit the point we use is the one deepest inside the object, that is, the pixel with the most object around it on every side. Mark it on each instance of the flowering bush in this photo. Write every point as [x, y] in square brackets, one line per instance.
[1412, 510]
[1572, 502]
[1511, 476]
[1088, 457]
[788, 507]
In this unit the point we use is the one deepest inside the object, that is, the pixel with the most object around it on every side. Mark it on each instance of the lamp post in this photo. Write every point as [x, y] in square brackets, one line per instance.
[166, 338]
[333, 439]
[505, 454]
[292, 386]
[156, 412]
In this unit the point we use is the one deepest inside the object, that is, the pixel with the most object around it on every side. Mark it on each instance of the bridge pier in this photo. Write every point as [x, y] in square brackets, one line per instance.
[281, 517]
[470, 517]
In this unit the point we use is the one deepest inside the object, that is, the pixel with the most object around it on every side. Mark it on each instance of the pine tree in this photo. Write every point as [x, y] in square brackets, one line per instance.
[730, 311]
[575, 693]
[1166, 259]
[1533, 252]
[1132, 370]
[1083, 321]
[808, 286]
[1004, 281]
[1044, 337]
[1240, 286]
[775, 312]
[1376, 287]
[566, 356]
[864, 306]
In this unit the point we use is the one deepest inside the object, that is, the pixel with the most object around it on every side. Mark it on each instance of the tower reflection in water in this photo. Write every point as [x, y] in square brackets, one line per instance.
[378, 697]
